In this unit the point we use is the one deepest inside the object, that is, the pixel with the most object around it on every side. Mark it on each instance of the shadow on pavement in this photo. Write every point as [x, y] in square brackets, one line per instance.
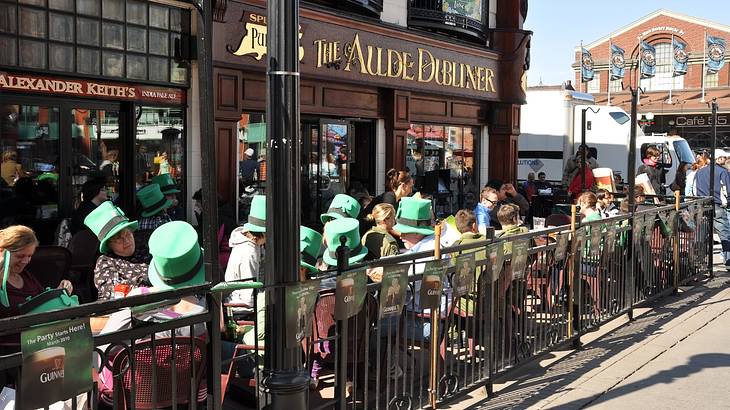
[535, 383]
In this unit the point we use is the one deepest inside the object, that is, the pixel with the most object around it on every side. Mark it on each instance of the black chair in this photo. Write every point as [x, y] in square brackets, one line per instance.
[50, 264]
[84, 248]
[557, 220]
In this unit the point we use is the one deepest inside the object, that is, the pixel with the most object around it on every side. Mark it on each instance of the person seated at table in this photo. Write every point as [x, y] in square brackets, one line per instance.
[17, 246]
[605, 204]
[542, 182]
[93, 194]
[529, 186]
[121, 263]
[154, 214]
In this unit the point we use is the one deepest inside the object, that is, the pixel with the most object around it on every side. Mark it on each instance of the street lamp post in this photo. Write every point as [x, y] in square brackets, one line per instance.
[583, 146]
[713, 105]
[285, 382]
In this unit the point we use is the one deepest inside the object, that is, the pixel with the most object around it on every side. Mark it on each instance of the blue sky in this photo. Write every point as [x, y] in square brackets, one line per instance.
[560, 25]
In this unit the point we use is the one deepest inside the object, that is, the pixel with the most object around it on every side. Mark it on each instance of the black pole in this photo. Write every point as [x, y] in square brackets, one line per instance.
[631, 180]
[713, 105]
[343, 257]
[209, 230]
[285, 383]
[583, 150]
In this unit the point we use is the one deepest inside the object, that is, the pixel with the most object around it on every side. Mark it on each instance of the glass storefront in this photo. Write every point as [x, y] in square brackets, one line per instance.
[443, 161]
[39, 137]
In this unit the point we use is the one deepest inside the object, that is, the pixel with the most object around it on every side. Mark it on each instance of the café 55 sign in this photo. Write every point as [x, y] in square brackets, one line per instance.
[386, 58]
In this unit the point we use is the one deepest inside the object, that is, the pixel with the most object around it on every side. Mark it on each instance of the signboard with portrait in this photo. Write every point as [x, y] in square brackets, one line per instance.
[495, 253]
[562, 246]
[520, 250]
[56, 362]
[463, 279]
[300, 300]
[393, 290]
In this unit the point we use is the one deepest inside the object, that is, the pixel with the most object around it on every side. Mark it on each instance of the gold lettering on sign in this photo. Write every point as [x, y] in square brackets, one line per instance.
[254, 42]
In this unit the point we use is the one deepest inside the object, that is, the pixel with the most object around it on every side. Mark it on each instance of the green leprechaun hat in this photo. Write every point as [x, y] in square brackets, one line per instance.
[348, 228]
[257, 215]
[414, 216]
[310, 241]
[166, 183]
[50, 299]
[6, 271]
[106, 221]
[152, 200]
[342, 206]
[176, 262]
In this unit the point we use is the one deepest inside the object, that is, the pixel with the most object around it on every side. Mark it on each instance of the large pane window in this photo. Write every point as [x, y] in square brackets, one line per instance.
[30, 146]
[251, 131]
[442, 160]
[96, 149]
[159, 144]
[127, 39]
[664, 78]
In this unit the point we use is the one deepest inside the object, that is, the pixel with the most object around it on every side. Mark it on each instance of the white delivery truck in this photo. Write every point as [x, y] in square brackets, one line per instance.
[550, 132]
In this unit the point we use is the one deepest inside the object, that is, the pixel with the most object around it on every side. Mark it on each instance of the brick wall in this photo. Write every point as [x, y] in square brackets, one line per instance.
[692, 33]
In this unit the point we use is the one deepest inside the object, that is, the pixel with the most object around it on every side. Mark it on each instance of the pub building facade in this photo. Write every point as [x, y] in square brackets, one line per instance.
[687, 113]
[384, 84]
[91, 89]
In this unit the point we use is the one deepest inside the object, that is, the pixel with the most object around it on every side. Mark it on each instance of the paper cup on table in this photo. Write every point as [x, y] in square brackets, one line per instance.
[604, 179]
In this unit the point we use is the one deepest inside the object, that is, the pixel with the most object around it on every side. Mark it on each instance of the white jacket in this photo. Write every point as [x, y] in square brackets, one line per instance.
[244, 263]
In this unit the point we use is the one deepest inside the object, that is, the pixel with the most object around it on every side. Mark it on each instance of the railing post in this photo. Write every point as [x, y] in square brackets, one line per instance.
[435, 346]
[343, 257]
[677, 266]
[571, 272]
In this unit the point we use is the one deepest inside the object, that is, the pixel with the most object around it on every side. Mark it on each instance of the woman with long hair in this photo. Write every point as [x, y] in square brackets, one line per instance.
[379, 240]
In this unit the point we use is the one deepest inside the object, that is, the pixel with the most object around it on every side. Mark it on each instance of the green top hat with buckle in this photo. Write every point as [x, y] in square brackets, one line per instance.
[5, 271]
[166, 183]
[257, 215]
[349, 229]
[414, 216]
[342, 206]
[152, 200]
[177, 259]
[50, 299]
[106, 221]
[310, 241]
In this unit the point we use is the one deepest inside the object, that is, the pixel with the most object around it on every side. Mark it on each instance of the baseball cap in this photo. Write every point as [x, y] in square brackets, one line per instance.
[249, 152]
[719, 153]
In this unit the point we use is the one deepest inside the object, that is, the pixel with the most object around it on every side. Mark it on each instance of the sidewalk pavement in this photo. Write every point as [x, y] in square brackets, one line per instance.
[675, 354]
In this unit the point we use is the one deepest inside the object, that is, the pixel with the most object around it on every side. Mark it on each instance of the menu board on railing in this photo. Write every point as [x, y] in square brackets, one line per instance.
[393, 290]
[56, 363]
[350, 293]
[562, 246]
[520, 250]
[496, 259]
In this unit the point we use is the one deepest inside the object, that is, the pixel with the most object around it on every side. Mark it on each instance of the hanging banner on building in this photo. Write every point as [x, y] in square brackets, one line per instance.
[618, 62]
[586, 65]
[715, 54]
[432, 283]
[393, 290]
[300, 300]
[467, 8]
[350, 293]
[463, 280]
[57, 362]
[680, 57]
[648, 60]
[29, 83]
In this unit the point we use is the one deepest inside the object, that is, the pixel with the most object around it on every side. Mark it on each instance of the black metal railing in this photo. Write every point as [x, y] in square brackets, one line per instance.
[510, 315]
[572, 279]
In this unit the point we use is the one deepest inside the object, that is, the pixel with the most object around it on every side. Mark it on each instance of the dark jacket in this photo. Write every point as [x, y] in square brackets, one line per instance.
[655, 176]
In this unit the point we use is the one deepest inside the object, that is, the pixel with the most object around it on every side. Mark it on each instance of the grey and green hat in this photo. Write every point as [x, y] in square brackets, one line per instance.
[348, 228]
[257, 215]
[105, 221]
[166, 183]
[177, 258]
[414, 216]
[342, 206]
[310, 241]
[153, 200]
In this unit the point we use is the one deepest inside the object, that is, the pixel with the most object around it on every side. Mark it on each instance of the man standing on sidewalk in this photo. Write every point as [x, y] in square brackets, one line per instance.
[722, 184]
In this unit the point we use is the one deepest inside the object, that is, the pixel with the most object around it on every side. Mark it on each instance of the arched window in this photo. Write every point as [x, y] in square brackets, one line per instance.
[663, 74]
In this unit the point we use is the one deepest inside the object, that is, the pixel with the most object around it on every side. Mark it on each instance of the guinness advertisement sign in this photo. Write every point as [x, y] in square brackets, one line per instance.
[329, 50]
